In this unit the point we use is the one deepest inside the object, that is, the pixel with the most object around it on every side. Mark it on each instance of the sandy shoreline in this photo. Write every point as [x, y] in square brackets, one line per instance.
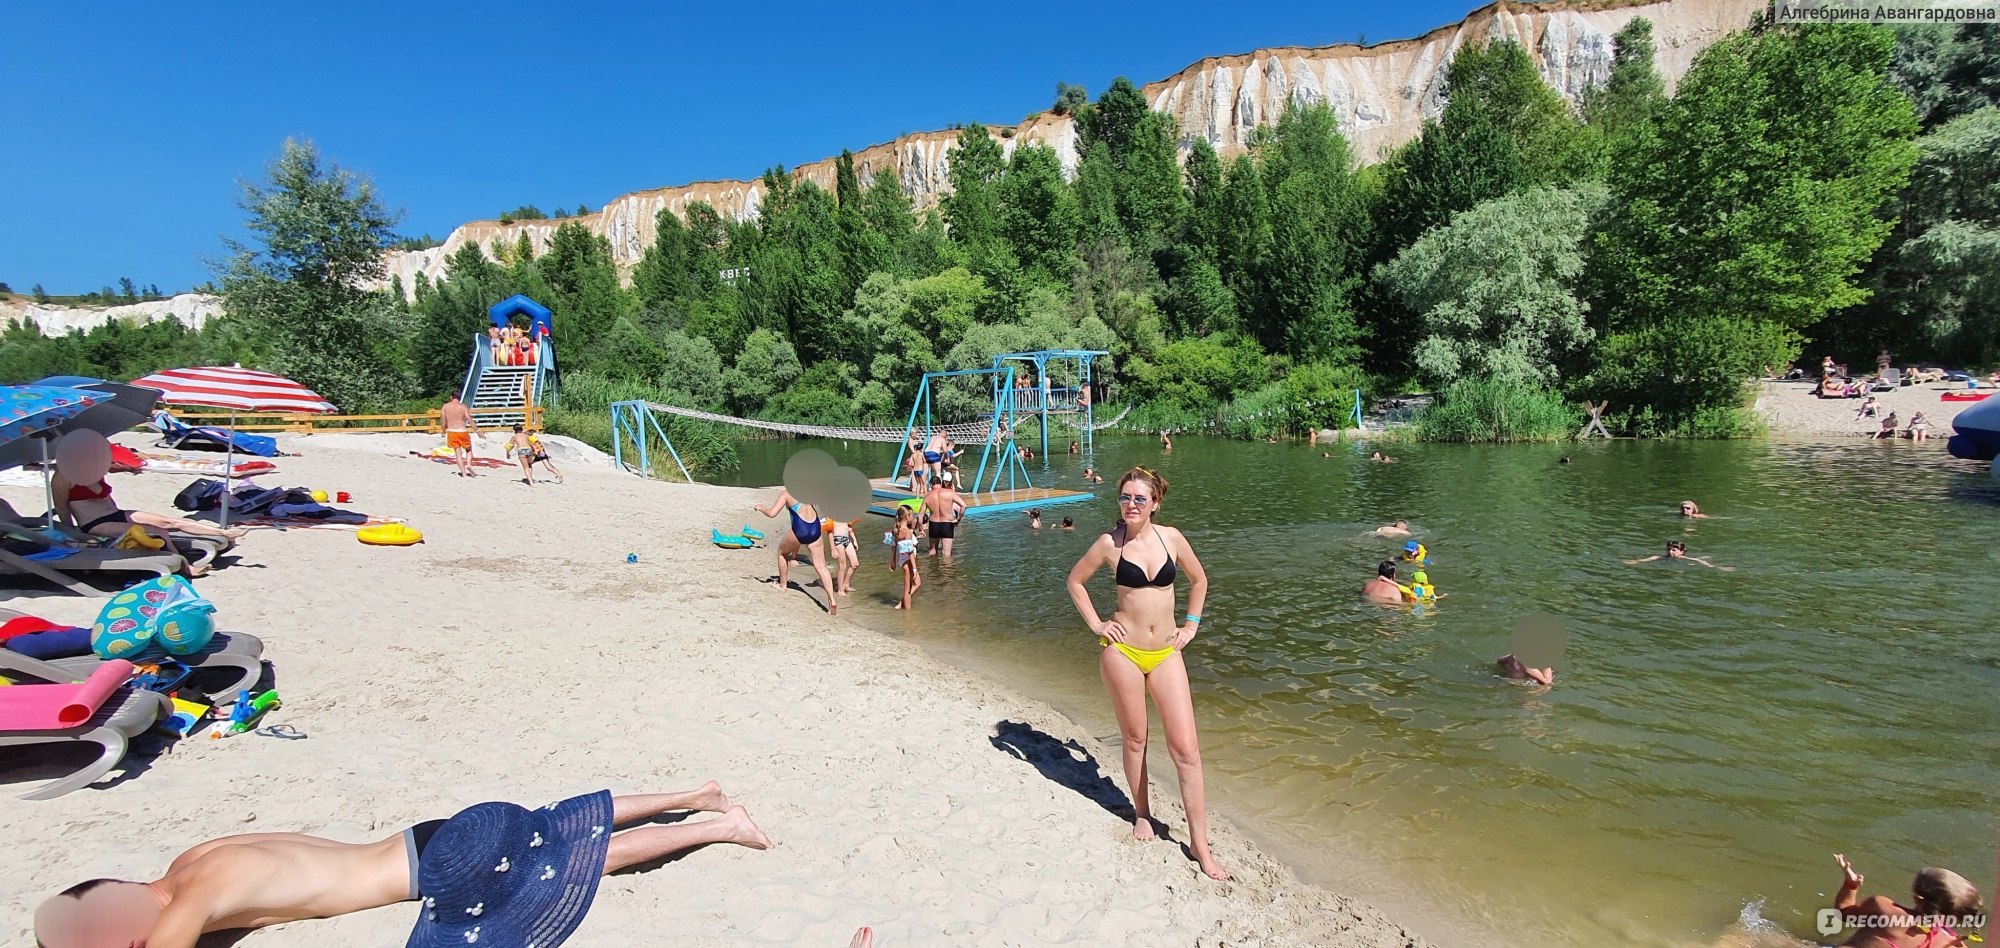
[515, 655]
[1790, 408]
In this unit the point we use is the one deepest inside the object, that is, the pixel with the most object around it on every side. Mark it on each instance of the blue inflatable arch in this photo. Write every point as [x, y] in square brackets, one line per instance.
[538, 315]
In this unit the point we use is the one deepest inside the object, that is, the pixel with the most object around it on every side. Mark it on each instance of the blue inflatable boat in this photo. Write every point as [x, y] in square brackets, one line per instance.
[1978, 428]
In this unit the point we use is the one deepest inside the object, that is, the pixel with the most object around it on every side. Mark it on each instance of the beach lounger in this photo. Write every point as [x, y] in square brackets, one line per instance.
[235, 660]
[1890, 381]
[176, 434]
[128, 713]
[62, 569]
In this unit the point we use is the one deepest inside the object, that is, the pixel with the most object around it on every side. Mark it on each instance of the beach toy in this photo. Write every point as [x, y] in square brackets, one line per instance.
[752, 534]
[631, 557]
[319, 496]
[915, 504]
[729, 542]
[244, 713]
[342, 497]
[388, 534]
[187, 716]
[165, 612]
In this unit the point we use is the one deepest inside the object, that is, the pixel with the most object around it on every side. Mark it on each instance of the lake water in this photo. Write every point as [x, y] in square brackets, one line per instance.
[1713, 736]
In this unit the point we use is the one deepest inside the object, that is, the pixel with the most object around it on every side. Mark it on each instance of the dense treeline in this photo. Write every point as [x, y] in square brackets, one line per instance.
[1831, 187]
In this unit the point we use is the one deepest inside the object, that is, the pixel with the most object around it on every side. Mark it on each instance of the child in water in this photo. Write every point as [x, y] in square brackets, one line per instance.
[1068, 524]
[1035, 518]
[1677, 550]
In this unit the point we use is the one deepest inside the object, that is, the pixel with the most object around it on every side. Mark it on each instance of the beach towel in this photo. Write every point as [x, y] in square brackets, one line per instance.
[179, 434]
[56, 707]
[170, 464]
[52, 644]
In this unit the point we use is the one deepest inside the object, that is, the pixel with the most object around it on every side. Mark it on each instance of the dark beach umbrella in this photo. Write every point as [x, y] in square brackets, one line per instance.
[115, 407]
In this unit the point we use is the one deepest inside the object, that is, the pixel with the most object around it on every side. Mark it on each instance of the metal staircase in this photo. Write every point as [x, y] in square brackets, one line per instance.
[502, 394]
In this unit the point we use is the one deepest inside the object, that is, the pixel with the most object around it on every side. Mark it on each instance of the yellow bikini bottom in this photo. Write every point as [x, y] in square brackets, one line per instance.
[1146, 658]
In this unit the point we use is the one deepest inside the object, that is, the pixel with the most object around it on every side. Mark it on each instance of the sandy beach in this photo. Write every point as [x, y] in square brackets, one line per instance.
[516, 655]
[1790, 408]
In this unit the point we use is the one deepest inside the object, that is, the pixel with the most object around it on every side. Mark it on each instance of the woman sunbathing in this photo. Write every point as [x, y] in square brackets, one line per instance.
[91, 510]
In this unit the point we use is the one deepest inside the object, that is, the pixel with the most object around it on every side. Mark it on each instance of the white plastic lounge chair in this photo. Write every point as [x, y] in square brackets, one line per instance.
[133, 565]
[1890, 381]
[128, 713]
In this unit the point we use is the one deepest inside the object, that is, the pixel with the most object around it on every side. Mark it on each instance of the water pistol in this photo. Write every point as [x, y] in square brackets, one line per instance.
[243, 715]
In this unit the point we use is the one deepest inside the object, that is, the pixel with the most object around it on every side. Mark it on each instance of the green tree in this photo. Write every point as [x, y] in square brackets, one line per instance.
[1495, 289]
[319, 232]
[1069, 98]
[972, 209]
[450, 315]
[862, 250]
[767, 365]
[583, 289]
[41, 295]
[1633, 92]
[1947, 71]
[885, 210]
[1743, 215]
[1038, 213]
[1940, 282]
[1319, 233]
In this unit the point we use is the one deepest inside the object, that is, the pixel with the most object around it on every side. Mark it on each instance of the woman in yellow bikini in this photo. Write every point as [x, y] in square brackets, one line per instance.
[1140, 648]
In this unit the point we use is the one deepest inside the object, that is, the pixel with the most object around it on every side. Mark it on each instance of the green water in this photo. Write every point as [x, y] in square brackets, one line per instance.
[1713, 735]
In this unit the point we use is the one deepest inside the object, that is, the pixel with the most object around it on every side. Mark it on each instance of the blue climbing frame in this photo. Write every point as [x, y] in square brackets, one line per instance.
[1041, 399]
[1003, 420]
[635, 420]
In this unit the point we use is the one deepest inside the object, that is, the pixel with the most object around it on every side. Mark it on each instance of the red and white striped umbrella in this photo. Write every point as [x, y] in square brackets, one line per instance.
[235, 388]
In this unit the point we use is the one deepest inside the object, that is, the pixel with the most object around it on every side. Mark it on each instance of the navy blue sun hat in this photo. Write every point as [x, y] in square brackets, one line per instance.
[499, 875]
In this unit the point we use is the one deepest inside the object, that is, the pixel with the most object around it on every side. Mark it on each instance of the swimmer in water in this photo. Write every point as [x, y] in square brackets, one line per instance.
[1938, 899]
[1068, 524]
[1383, 588]
[1512, 668]
[1691, 512]
[1034, 518]
[1140, 648]
[1379, 456]
[1400, 528]
[1325, 455]
[1166, 444]
[1676, 550]
[1563, 460]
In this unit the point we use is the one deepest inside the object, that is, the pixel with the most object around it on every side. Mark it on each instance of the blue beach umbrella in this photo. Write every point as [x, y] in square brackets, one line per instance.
[115, 407]
[30, 410]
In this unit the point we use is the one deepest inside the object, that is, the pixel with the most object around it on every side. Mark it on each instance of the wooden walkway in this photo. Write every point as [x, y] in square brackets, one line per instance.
[888, 495]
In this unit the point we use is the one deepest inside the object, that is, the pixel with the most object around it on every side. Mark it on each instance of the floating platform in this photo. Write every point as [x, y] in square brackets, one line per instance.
[889, 494]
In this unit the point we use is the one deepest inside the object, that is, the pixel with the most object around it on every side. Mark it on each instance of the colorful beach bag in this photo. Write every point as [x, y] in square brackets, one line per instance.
[165, 613]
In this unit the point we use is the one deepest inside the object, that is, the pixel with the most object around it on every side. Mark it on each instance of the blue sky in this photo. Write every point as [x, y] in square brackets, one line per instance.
[130, 124]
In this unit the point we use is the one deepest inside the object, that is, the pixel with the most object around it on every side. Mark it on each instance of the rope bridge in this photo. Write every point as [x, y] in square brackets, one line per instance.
[959, 431]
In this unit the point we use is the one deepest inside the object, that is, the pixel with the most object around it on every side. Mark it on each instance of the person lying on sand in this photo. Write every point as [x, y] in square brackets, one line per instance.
[1400, 528]
[1383, 588]
[1940, 899]
[495, 872]
[1512, 668]
[1677, 552]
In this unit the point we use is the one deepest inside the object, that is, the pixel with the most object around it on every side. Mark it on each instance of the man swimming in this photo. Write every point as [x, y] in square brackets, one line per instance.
[1677, 552]
[262, 879]
[1513, 668]
[1400, 528]
[1382, 588]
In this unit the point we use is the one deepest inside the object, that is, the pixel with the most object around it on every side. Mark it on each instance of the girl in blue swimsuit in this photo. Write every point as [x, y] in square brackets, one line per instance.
[1140, 648]
[804, 534]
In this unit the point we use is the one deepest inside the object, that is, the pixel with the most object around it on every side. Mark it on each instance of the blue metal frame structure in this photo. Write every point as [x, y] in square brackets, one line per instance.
[1043, 395]
[1003, 419]
[635, 419]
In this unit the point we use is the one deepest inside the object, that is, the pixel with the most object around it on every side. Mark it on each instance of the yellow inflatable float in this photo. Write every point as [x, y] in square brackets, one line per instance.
[388, 534]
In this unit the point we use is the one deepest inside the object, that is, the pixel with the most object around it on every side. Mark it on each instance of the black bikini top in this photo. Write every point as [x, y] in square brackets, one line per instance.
[1131, 576]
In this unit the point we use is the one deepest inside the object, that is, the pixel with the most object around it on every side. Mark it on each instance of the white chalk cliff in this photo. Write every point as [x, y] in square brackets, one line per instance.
[1380, 94]
[192, 309]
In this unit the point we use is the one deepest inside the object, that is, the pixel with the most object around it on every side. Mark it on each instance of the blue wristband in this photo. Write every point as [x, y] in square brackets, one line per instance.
[1194, 619]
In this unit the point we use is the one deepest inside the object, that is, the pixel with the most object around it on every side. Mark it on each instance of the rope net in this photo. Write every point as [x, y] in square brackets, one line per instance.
[958, 431]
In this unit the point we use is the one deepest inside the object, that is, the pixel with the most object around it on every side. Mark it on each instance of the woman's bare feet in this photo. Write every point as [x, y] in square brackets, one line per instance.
[742, 831]
[1142, 829]
[1209, 866]
[862, 939]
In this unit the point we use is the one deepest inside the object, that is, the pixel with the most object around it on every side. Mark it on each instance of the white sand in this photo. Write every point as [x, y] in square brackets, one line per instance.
[516, 656]
[1790, 408]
